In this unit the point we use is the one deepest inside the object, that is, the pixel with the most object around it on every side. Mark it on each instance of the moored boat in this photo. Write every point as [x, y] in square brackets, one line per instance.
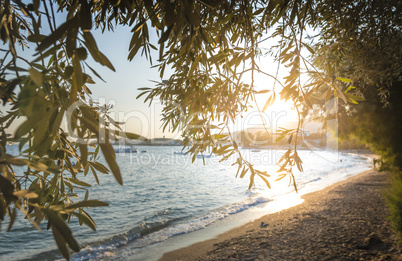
[126, 150]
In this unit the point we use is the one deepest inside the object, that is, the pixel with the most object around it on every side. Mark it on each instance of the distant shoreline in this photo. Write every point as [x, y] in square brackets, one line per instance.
[345, 221]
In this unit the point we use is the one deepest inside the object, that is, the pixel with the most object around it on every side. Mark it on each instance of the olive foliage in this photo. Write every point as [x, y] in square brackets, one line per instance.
[212, 48]
[367, 50]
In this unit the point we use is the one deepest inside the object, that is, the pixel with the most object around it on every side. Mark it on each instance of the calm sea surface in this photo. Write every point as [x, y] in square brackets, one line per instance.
[165, 195]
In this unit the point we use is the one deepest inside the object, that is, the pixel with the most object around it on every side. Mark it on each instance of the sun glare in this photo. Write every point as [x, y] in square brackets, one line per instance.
[278, 115]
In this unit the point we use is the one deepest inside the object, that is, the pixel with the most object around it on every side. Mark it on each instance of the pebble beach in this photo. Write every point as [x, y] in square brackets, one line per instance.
[346, 221]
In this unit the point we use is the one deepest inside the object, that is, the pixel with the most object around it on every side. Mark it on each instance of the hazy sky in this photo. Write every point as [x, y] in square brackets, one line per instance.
[121, 88]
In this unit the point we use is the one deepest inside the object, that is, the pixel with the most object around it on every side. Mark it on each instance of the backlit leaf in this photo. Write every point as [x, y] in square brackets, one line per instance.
[266, 181]
[61, 227]
[110, 158]
[88, 203]
[56, 35]
[343, 79]
[92, 47]
[61, 243]
[83, 218]
[269, 102]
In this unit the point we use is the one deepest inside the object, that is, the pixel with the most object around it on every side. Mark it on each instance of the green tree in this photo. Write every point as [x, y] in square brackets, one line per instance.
[366, 49]
[213, 48]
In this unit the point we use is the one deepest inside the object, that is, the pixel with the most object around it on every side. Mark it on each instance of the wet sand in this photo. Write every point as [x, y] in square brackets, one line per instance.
[346, 221]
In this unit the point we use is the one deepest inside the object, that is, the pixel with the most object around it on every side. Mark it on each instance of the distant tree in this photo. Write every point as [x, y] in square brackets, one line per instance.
[263, 138]
[213, 48]
[245, 138]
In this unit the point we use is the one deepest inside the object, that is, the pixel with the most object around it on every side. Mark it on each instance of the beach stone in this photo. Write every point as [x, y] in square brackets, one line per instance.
[373, 240]
[263, 244]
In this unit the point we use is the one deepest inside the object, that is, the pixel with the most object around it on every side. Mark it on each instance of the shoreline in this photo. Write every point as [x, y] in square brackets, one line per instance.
[344, 221]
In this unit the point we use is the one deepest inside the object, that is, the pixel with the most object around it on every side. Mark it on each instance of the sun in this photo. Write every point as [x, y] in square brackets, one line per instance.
[280, 114]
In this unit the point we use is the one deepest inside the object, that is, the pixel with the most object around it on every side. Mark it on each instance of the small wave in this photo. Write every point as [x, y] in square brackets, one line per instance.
[199, 222]
[106, 248]
[316, 179]
[151, 233]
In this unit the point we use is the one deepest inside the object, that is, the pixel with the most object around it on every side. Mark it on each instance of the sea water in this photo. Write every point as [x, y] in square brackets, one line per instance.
[165, 195]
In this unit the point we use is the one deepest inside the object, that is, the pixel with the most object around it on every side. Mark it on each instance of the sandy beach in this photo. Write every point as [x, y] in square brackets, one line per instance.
[346, 221]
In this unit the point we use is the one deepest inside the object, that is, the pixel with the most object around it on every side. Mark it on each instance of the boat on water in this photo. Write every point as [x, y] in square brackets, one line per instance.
[198, 155]
[204, 156]
[125, 150]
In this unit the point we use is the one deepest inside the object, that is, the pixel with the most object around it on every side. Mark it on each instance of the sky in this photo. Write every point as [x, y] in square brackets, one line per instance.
[120, 88]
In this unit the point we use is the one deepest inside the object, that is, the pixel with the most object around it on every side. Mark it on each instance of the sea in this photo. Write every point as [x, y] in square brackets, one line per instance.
[168, 202]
